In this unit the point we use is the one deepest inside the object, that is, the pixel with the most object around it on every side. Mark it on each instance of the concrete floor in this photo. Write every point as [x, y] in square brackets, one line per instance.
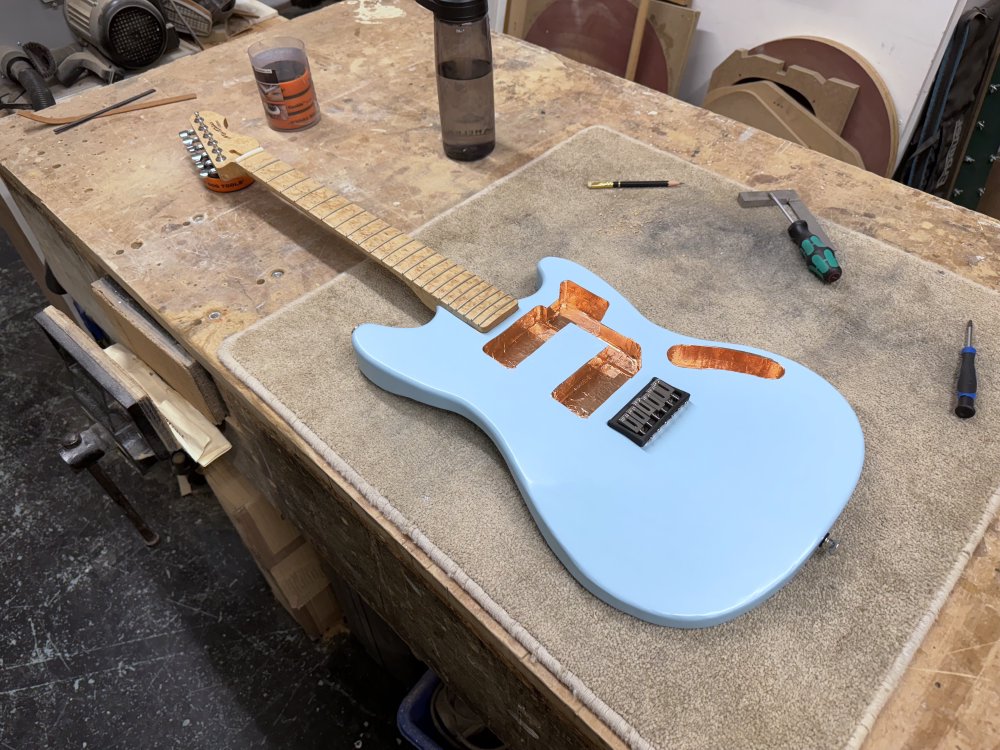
[107, 644]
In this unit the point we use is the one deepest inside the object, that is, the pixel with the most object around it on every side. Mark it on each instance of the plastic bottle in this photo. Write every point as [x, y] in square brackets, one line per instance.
[463, 57]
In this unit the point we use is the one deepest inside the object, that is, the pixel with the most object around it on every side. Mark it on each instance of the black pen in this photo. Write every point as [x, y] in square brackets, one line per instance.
[599, 184]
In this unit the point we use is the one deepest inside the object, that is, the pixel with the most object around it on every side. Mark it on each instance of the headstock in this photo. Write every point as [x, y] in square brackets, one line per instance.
[220, 145]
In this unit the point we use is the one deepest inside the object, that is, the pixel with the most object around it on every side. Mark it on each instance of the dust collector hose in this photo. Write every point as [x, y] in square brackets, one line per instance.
[15, 65]
[34, 85]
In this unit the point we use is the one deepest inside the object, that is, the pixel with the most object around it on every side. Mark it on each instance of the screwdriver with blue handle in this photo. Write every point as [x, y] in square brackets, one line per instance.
[966, 406]
[820, 258]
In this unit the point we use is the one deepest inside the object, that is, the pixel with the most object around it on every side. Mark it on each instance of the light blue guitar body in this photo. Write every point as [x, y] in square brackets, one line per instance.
[701, 524]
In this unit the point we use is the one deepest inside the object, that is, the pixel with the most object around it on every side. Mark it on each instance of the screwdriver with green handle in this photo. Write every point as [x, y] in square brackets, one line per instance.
[818, 256]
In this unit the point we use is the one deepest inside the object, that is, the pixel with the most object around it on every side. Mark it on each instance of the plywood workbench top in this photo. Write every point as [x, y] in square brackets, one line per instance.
[120, 194]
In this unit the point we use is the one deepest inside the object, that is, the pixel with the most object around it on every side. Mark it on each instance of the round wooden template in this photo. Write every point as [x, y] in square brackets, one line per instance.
[599, 34]
[871, 126]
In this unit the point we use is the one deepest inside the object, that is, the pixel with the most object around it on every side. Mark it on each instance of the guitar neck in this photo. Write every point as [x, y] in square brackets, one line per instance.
[437, 281]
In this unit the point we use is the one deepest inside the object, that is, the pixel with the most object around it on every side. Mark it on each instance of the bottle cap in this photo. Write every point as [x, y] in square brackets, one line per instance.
[457, 10]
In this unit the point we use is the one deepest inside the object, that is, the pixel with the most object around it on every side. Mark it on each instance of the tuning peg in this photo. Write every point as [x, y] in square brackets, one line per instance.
[221, 158]
[196, 149]
[185, 134]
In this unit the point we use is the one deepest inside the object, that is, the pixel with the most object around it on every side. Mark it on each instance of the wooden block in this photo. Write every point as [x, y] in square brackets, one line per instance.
[765, 106]
[675, 26]
[191, 429]
[830, 98]
[266, 533]
[517, 16]
[299, 576]
[318, 617]
[231, 489]
[641, 16]
[325, 612]
[287, 561]
[132, 326]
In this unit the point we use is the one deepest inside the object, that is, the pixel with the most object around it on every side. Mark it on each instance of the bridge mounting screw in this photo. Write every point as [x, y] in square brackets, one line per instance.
[957, 192]
[980, 124]
[994, 87]
[969, 160]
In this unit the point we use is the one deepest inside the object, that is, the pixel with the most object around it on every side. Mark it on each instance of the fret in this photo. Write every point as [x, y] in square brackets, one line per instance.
[459, 295]
[474, 302]
[457, 282]
[347, 212]
[499, 305]
[473, 311]
[471, 298]
[432, 272]
[299, 189]
[376, 241]
[352, 225]
[313, 199]
[257, 161]
[403, 266]
[392, 246]
[497, 312]
[272, 171]
[433, 286]
[328, 207]
[287, 180]
[361, 235]
[431, 261]
[403, 253]
[488, 314]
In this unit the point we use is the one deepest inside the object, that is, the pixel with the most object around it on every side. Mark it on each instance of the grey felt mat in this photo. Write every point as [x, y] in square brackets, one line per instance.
[810, 667]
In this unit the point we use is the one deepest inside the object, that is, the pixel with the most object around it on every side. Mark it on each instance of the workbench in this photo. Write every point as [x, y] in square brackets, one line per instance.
[116, 198]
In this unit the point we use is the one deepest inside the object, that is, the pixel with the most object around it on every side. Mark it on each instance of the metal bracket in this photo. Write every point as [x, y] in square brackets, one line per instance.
[754, 199]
